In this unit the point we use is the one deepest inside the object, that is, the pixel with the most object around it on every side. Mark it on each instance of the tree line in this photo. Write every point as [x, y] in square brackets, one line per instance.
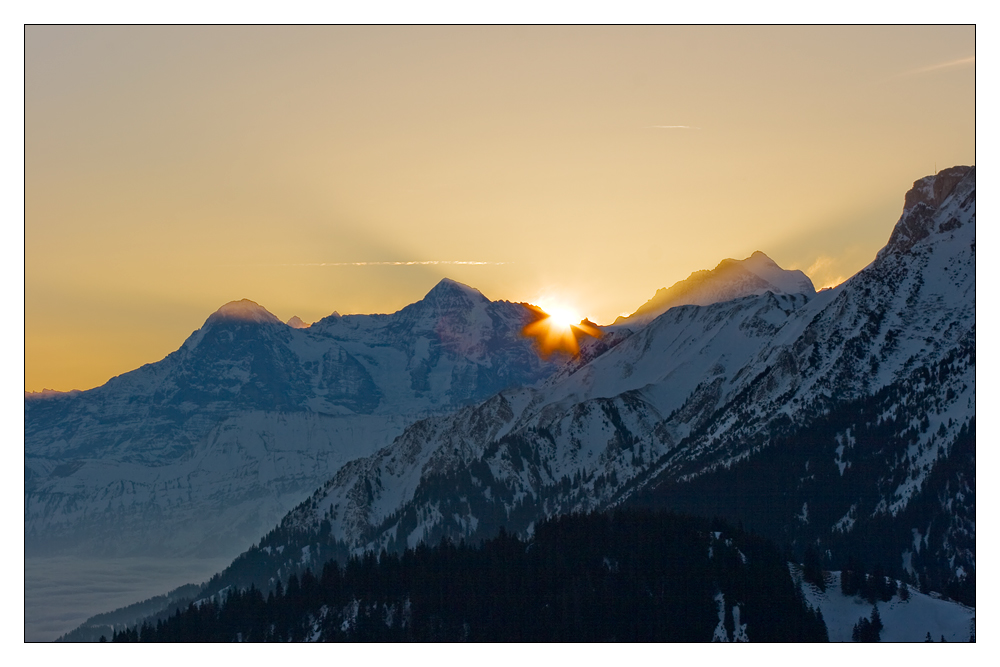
[622, 576]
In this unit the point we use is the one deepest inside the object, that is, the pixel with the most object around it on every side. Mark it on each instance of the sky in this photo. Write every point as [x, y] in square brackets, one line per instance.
[169, 170]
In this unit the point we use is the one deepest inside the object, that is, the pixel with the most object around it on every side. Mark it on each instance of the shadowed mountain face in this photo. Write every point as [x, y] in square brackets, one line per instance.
[203, 451]
[731, 279]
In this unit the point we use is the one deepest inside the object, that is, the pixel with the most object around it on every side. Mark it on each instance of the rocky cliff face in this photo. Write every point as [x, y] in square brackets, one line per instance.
[955, 186]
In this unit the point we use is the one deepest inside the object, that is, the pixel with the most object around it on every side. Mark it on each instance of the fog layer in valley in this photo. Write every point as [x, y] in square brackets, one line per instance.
[61, 592]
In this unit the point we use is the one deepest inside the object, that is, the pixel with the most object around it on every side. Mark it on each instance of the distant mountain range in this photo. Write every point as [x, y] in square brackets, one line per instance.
[841, 421]
[204, 451]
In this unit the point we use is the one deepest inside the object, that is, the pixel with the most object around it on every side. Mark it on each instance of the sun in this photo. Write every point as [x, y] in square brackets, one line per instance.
[559, 329]
[562, 317]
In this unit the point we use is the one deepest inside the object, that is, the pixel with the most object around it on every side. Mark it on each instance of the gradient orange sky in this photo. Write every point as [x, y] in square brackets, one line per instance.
[169, 170]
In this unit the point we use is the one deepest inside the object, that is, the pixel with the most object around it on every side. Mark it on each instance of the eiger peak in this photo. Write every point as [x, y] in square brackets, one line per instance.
[243, 310]
[448, 289]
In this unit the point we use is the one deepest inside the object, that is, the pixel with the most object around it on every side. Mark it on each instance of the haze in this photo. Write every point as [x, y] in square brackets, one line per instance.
[170, 170]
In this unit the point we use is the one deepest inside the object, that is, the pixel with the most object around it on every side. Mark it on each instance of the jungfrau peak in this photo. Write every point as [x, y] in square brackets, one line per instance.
[731, 279]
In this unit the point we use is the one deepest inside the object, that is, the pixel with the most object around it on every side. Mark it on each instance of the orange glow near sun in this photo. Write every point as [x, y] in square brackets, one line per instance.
[559, 330]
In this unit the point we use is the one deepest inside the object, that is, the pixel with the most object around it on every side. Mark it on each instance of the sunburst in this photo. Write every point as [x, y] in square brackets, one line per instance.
[559, 330]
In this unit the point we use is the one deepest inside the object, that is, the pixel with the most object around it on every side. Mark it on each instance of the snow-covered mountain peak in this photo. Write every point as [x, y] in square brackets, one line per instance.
[243, 310]
[787, 281]
[731, 279]
[448, 292]
[758, 257]
[296, 322]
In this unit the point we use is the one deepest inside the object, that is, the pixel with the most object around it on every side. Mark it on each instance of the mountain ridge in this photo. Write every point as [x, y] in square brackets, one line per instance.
[248, 392]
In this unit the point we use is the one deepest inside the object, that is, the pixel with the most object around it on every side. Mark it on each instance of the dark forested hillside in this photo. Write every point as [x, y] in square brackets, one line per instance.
[837, 470]
[627, 576]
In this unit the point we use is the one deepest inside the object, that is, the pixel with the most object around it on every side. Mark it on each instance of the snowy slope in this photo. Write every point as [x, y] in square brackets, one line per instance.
[907, 620]
[205, 450]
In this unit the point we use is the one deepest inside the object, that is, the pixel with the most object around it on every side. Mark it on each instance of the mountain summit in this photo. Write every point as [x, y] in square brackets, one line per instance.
[243, 310]
[731, 279]
[451, 289]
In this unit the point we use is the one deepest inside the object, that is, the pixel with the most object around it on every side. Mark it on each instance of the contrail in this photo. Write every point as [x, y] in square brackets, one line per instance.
[675, 127]
[411, 263]
[970, 60]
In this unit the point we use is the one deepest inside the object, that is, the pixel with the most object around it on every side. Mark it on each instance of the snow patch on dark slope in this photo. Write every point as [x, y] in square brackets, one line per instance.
[912, 619]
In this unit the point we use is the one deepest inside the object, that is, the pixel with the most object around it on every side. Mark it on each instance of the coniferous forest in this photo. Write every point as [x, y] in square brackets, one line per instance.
[623, 576]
